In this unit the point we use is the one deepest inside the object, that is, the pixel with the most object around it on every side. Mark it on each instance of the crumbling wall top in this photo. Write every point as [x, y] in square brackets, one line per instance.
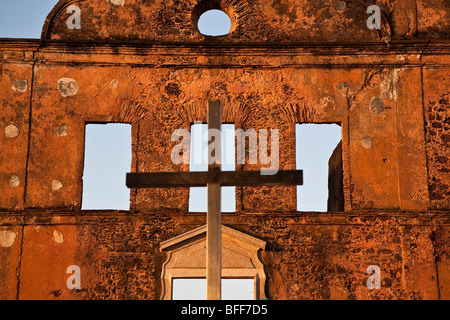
[256, 21]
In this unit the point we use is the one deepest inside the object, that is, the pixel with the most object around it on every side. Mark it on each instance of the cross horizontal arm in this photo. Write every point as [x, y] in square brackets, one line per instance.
[224, 178]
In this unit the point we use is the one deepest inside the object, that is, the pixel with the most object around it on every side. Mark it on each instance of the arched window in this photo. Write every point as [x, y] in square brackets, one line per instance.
[214, 23]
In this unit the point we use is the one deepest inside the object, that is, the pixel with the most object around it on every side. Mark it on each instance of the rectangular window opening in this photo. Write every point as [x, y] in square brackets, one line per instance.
[107, 159]
[319, 155]
[198, 162]
[195, 289]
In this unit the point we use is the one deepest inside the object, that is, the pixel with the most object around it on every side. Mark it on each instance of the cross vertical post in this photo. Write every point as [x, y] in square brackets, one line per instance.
[213, 179]
[214, 216]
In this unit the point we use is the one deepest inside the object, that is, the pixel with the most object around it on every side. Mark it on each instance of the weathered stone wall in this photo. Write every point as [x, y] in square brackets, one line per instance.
[336, 181]
[384, 150]
[308, 256]
[15, 99]
[436, 96]
[145, 63]
[258, 21]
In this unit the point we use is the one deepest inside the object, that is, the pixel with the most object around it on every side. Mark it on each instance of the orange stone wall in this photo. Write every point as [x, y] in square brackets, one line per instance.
[285, 62]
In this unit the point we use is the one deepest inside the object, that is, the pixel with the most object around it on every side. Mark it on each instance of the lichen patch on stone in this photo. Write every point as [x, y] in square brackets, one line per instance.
[117, 2]
[14, 181]
[7, 238]
[68, 87]
[58, 236]
[56, 185]
[11, 131]
[20, 85]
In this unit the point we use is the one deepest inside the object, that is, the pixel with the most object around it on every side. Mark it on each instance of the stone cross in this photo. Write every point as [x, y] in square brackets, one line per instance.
[213, 179]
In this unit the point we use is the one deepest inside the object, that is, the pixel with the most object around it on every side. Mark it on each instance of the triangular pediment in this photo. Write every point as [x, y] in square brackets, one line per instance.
[196, 235]
[199, 234]
[186, 258]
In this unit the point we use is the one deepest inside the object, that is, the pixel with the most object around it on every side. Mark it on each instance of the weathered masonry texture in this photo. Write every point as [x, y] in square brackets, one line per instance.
[284, 62]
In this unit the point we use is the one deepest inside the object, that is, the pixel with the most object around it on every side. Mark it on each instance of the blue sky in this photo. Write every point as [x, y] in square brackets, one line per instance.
[214, 23]
[107, 160]
[23, 18]
[314, 143]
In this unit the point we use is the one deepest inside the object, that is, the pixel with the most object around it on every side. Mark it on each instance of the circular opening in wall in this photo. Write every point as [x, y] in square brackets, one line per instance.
[214, 23]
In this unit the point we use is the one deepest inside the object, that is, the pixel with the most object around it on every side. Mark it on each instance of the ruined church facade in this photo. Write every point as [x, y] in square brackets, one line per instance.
[284, 62]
